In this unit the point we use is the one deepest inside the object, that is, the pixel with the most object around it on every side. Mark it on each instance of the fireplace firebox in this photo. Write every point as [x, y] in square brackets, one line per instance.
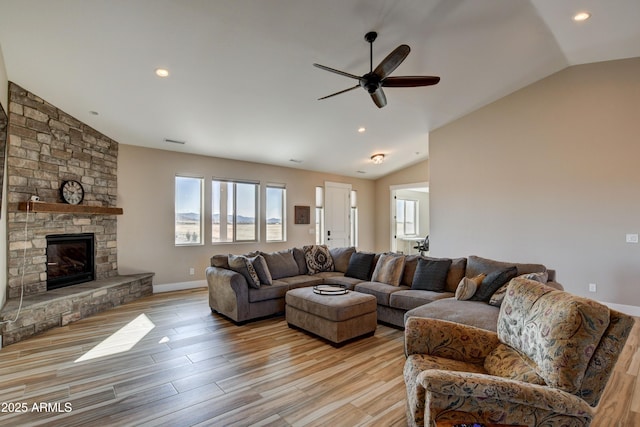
[70, 259]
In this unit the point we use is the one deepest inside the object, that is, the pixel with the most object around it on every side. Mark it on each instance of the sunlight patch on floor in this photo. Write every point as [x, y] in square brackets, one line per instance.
[122, 340]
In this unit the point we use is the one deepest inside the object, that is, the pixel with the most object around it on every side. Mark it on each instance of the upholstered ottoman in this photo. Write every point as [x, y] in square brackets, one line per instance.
[337, 318]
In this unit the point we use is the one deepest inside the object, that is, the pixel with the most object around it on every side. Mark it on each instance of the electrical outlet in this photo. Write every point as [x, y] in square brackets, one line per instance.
[192, 271]
[592, 287]
[632, 238]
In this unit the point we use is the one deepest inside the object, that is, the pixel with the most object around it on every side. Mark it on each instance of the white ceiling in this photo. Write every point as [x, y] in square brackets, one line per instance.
[242, 84]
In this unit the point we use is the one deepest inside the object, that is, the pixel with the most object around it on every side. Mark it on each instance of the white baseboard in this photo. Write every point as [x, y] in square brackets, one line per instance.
[631, 310]
[168, 287]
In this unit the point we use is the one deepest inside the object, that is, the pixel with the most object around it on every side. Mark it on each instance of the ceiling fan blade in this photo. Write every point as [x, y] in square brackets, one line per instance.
[392, 61]
[338, 93]
[342, 73]
[379, 98]
[410, 81]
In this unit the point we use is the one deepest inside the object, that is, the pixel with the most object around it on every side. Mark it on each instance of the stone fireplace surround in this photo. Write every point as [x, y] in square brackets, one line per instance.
[45, 147]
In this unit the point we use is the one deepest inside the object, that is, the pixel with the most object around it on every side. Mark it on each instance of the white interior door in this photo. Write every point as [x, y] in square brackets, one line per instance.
[337, 208]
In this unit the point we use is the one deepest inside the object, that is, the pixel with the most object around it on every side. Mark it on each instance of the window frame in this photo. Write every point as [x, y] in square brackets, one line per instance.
[283, 208]
[200, 242]
[404, 222]
[234, 203]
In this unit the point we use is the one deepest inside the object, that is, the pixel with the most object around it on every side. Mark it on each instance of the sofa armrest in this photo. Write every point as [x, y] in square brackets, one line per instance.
[447, 339]
[228, 293]
[500, 395]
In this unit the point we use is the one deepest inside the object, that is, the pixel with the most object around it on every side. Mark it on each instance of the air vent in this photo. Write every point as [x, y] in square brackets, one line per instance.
[174, 141]
[295, 160]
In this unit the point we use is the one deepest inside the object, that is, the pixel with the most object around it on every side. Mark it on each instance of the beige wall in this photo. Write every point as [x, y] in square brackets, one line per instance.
[412, 174]
[548, 174]
[145, 192]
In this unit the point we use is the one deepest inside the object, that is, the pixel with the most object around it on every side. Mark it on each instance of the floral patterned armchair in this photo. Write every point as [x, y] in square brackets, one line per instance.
[547, 365]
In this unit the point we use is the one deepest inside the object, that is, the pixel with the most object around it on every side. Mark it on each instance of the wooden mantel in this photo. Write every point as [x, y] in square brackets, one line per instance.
[66, 208]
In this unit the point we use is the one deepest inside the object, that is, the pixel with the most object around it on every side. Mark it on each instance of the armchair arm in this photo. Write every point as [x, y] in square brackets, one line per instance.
[228, 293]
[488, 394]
[448, 339]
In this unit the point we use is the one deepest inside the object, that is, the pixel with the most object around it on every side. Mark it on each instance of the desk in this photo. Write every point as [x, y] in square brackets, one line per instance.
[406, 244]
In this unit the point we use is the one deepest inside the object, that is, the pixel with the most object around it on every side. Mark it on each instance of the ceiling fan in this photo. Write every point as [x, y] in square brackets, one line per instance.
[376, 79]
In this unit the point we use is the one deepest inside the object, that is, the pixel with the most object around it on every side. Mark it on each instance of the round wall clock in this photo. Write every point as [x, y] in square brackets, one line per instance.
[72, 192]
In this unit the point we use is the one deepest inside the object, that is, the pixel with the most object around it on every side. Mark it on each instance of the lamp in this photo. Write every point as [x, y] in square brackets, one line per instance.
[377, 158]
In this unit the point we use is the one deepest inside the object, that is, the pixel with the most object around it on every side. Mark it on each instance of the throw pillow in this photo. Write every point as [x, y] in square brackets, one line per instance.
[468, 286]
[341, 257]
[360, 265]
[241, 264]
[498, 296]
[431, 275]
[298, 255]
[492, 282]
[262, 269]
[389, 269]
[318, 258]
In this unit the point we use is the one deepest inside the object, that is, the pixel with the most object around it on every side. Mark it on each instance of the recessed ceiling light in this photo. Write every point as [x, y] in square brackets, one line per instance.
[362, 129]
[581, 16]
[162, 72]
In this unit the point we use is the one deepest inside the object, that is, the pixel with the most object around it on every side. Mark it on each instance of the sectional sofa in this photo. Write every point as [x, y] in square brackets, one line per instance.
[254, 285]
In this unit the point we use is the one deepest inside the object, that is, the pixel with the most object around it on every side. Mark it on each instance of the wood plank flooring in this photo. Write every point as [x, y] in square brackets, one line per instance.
[179, 365]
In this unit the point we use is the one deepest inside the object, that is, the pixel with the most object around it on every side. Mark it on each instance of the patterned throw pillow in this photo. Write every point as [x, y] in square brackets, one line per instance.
[498, 296]
[389, 269]
[262, 269]
[468, 286]
[318, 258]
[241, 264]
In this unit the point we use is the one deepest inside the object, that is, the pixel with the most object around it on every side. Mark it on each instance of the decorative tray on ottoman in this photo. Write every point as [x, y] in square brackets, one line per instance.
[330, 289]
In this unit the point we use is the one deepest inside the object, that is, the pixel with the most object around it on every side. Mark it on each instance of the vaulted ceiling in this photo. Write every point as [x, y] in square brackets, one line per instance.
[242, 84]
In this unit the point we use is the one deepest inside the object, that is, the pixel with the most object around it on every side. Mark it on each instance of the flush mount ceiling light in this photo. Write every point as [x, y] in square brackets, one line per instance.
[377, 158]
[362, 129]
[581, 16]
[162, 72]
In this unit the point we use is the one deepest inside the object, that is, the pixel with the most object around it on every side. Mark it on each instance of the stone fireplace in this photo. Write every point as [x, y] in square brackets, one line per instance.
[46, 147]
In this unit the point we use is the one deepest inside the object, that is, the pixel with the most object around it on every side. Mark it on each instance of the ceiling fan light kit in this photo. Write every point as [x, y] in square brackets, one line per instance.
[377, 78]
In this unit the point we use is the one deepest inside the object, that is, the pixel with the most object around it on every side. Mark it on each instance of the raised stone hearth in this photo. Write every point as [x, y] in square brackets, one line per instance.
[62, 306]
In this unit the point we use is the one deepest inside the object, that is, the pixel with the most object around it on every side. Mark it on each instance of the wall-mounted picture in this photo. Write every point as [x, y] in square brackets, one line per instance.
[302, 214]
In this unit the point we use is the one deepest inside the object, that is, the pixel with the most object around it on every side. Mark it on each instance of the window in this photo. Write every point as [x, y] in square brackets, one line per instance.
[188, 210]
[354, 218]
[276, 202]
[406, 217]
[234, 209]
[319, 215]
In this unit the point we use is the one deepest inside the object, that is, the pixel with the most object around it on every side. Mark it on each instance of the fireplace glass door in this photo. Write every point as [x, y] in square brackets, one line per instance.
[70, 259]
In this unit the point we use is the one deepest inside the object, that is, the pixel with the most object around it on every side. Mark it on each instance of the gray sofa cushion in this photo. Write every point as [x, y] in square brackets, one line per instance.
[381, 291]
[341, 258]
[409, 299]
[472, 313]
[281, 264]
[276, 290]
[298, 255]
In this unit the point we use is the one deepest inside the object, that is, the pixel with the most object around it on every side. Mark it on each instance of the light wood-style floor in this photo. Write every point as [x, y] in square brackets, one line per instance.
[185, 366]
